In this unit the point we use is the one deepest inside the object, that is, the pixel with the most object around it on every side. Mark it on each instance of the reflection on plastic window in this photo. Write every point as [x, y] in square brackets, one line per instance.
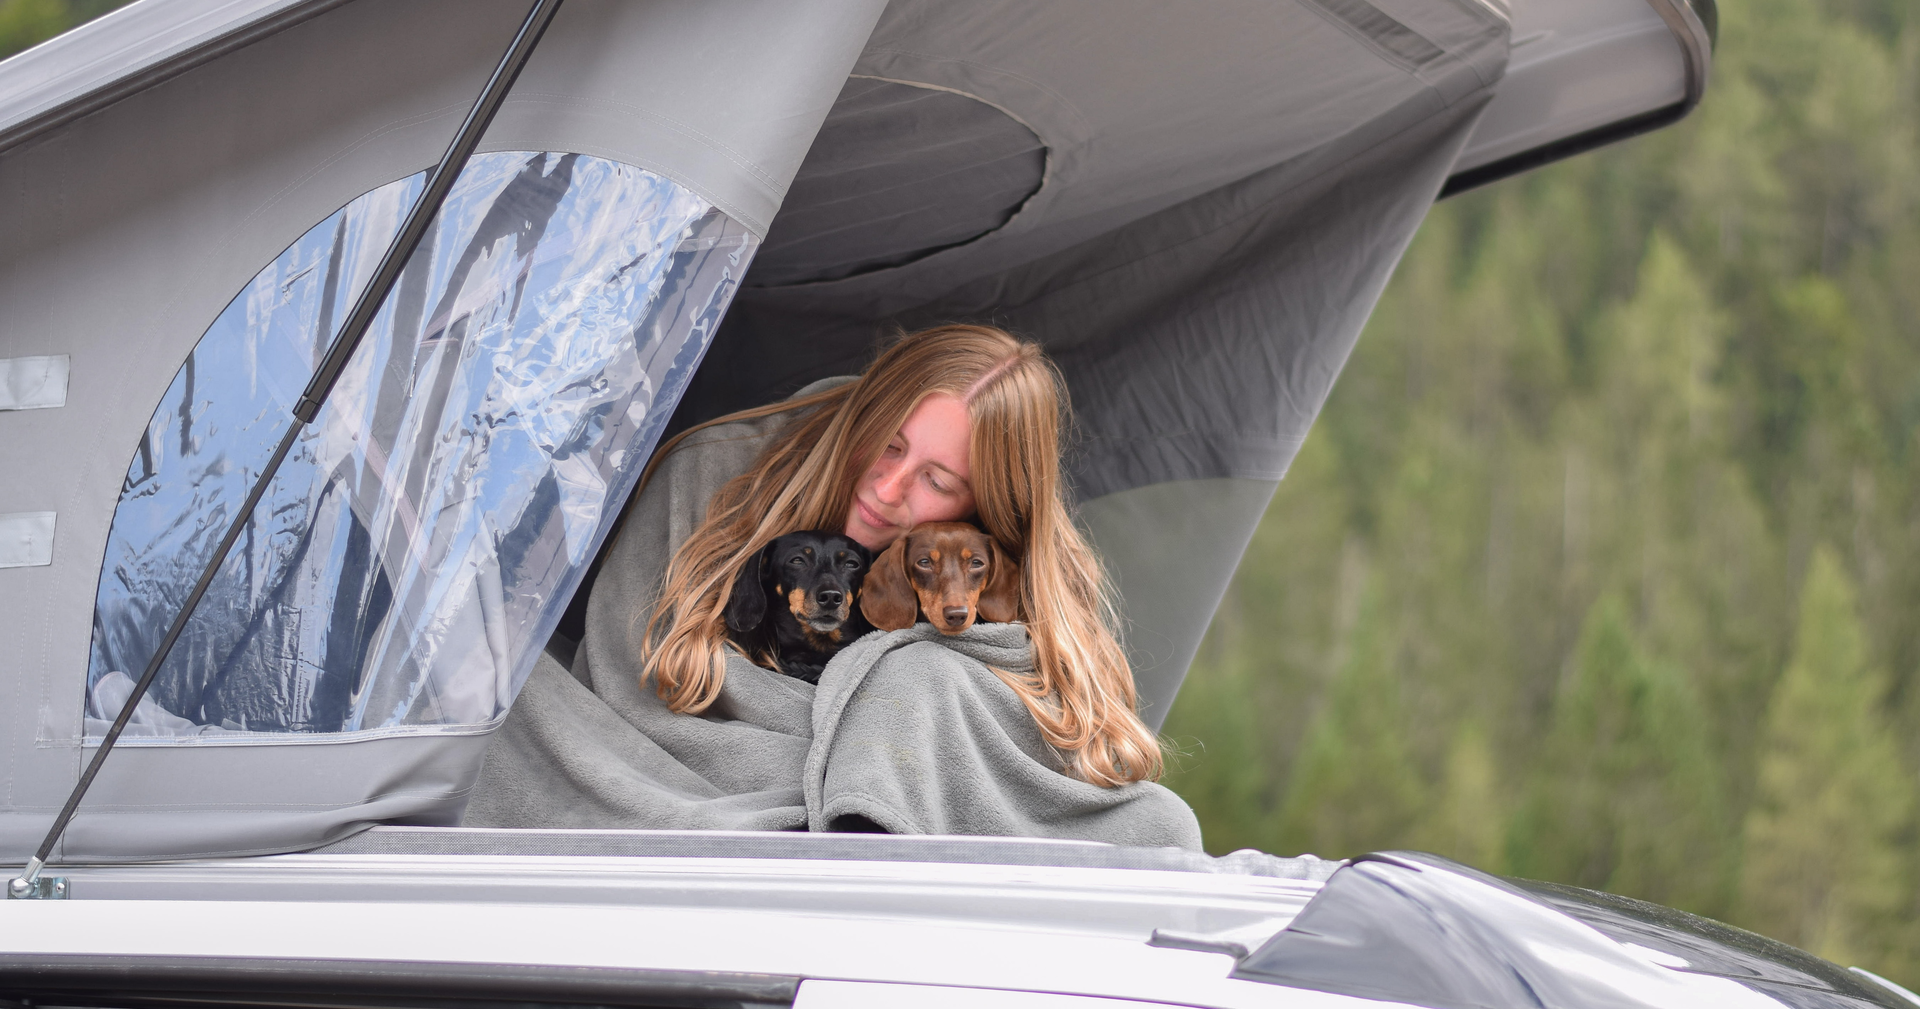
[416, 548]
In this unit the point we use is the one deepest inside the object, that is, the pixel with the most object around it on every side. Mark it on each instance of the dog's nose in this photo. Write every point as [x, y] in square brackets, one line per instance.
[955, 615]
[829, 597]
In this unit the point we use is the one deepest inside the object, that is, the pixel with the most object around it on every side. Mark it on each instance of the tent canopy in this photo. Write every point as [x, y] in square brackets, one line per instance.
[1193, 210]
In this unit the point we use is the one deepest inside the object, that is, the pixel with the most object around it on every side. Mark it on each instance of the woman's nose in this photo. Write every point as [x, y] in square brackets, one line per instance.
[889, 483]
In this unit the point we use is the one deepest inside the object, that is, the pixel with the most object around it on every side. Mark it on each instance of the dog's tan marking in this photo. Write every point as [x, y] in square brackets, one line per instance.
[820, 640]
[797, 602]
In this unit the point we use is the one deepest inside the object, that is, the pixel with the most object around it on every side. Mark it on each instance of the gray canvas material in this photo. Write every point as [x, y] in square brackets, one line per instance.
[125, 233]
[673, 88]
[204, 800]
[1198, 341]
[1198, 338]
[1225, 189]
[78, 72]
[873, 195]
[908, 730]
[1170, 583]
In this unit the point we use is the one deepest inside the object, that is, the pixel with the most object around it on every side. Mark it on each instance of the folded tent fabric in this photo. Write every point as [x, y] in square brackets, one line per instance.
[906, 729]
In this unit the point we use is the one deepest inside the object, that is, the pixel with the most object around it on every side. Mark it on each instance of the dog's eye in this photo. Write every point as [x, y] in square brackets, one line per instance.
[978, 564]
[797, 562]
[925, 562]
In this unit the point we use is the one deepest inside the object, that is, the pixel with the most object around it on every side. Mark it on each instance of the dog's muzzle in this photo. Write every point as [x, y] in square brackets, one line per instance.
[827, 610]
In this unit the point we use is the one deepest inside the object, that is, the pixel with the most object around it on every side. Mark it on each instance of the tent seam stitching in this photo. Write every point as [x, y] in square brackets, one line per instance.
[1014, 74]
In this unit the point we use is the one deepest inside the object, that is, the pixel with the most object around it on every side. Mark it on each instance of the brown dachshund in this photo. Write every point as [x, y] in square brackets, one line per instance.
[950, 571]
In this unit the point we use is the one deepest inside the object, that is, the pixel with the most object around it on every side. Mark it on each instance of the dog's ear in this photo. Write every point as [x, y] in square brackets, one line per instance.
[886, 597]
[1000, 599]
[747, 605]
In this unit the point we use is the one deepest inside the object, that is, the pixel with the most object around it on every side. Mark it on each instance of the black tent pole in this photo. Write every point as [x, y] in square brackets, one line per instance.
[28, 884]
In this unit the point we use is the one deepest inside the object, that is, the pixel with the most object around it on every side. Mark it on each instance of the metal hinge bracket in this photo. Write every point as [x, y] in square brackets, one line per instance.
[39, 888]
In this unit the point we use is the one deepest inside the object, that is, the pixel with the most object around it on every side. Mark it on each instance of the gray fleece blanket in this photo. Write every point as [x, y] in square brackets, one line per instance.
[908, 730]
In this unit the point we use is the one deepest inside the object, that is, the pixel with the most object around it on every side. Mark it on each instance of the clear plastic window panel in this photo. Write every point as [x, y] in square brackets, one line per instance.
[417, 546]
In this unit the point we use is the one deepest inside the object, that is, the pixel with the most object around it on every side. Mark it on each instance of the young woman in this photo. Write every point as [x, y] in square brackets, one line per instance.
[957, 422]
[1014, 729]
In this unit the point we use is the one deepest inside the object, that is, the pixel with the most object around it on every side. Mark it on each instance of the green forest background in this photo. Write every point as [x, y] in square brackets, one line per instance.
[1602, 562]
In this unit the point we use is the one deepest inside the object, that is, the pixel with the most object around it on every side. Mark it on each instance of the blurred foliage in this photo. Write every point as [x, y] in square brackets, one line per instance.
[27, 23]
[1601, 564]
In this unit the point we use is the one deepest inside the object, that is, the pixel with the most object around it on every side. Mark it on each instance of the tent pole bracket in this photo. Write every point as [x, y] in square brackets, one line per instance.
[30, 885]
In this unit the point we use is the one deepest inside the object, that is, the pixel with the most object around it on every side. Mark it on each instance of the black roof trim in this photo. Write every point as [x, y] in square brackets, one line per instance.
[262, 981]
[1696, 27]
[1565, 147]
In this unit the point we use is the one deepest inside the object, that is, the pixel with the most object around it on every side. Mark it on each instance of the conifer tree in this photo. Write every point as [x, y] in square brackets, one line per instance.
[1223, 775]
[1465, 819]
[1665, 369]
[1626, 796]
[1354, 787]
[1822, 868]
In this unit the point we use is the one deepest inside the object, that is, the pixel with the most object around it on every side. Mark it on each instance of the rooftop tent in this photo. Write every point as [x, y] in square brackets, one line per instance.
[1194, 210]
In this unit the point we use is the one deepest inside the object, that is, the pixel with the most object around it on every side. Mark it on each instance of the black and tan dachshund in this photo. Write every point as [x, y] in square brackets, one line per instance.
[793, 606]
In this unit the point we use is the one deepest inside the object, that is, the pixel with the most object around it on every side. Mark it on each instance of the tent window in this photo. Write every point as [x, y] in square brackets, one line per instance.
[417, 546]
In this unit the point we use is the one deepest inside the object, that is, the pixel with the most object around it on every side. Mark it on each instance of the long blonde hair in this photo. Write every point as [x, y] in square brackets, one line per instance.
[1081, 691]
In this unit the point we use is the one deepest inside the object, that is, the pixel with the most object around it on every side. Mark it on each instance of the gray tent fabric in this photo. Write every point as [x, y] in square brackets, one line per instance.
[1170, 583]
[875, 196]
[125, 233]
[906, 730]
[1222, 191]
[1198, 340]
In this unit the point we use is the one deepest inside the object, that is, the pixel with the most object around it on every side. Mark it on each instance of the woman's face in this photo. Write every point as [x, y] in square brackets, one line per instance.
[921, 476]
